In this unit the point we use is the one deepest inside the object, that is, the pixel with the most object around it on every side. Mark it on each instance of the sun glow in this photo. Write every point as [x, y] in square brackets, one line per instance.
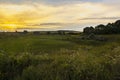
[32, 16]
[9, 27]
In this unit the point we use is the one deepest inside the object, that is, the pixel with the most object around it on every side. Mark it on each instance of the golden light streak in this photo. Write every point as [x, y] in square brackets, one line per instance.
[16, 16]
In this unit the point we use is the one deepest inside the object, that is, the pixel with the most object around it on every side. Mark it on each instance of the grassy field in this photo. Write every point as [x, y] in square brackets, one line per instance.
[59, 57]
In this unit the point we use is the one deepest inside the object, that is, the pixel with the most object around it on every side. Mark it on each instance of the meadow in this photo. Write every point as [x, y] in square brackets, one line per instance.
[59, 57]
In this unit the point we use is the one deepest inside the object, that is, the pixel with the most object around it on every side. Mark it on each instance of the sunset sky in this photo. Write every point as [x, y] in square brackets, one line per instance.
[56, 14]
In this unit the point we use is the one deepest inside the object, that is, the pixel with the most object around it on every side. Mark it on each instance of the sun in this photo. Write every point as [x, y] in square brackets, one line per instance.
[9, 27]
[12, 26]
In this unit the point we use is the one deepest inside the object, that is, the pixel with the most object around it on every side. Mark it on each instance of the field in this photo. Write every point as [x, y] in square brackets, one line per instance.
[59, 57]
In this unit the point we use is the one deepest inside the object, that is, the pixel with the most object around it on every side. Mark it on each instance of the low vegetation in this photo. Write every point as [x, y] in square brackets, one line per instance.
[59, 57]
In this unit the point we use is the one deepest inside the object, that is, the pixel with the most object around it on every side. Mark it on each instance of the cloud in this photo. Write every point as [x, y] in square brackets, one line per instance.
[52, 24]
[44, 16]
[100, 18]
[112, 1]
[52, 2]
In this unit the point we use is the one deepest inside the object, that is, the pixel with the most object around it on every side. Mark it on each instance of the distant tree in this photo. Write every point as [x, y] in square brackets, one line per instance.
[25, 31]
[117, 23]
[117, 26]
[61, 32]
[110, 28]
[88, 30]
[100, 29]
[16, 31]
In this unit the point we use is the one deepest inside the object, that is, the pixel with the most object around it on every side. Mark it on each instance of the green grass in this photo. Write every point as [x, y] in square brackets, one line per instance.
[59, 57]
[35, 44]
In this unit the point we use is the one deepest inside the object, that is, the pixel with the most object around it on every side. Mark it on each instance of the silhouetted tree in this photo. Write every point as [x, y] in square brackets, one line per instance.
[88, 30]
[110, 28]
[100, 29]
[25, 31]
[61, 32]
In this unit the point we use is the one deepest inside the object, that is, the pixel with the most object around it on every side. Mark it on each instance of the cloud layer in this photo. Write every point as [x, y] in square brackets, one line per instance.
[56, 14]
[47, 1]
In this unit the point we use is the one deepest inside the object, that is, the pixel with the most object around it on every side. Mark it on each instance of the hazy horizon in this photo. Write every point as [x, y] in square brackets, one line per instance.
[56, 14]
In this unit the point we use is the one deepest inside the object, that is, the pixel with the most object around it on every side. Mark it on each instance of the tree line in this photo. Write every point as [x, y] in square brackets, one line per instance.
[110, 28]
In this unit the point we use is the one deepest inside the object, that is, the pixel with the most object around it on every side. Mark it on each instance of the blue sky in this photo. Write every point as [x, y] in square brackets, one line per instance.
[56, 14]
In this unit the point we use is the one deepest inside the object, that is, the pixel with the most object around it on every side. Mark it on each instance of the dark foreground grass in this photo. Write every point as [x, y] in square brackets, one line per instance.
[48, 57]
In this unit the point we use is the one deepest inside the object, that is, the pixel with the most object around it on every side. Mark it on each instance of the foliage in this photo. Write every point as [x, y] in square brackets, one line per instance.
[110, 28]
